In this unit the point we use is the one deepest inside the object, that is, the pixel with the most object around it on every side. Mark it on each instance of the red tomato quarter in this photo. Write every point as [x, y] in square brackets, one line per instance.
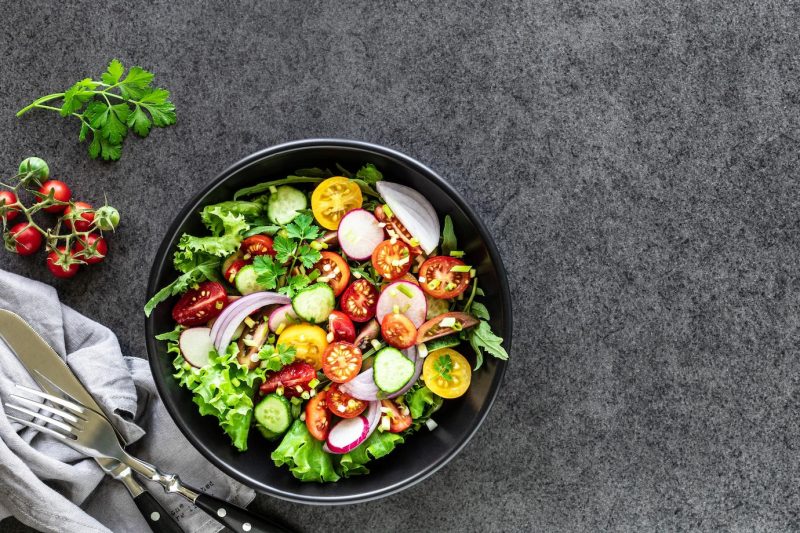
[334, 271]
[340, 327]
[200, 305]
[290, 377]
[318, 417]
[359, 301]
[343, 405]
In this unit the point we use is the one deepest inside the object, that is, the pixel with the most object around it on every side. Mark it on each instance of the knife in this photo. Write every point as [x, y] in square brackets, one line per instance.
[45, 366]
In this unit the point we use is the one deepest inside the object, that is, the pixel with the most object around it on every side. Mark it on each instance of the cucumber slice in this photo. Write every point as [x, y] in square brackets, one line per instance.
[246, 281]
[274, 414]
[315, 303]
[392, 370]
[284, 204]
[269, 435]
[449, 341]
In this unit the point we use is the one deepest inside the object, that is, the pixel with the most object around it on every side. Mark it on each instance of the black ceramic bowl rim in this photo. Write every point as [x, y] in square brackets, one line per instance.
[162, 259]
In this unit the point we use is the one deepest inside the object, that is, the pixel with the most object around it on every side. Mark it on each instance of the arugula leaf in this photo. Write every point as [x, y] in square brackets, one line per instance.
[268, 271]
[224, 389]
[449, 242]
[108, 123]
[482, 339]
[206, 270]
[259, 230]
[172, 336]
[378, 445]
[369, 174]
[304, 456]
[365, 271]
[262, 187]
[479, 310]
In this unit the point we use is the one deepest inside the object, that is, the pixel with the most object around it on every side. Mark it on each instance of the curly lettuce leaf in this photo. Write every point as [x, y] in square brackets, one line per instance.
[210, 215]
[195, 269]
[223, 389]
[376, 446]
[304, 456]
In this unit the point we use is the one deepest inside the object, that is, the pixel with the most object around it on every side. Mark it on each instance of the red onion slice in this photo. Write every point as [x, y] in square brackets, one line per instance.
[234, 314]
[414, 211]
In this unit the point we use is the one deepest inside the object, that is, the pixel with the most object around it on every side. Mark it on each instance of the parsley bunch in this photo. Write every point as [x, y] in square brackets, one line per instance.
[292, 249]
[111, 107]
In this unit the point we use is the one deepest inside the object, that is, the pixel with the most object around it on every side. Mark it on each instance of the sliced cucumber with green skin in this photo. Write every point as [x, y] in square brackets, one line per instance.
[284, 204]
[392, 370]
[269, 435]
[442, 342]
[274, 414]
[246, 280]
[315, 303]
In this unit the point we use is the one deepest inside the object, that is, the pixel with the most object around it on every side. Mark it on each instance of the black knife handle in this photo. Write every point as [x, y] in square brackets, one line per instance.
[237, 518]
[156, 516]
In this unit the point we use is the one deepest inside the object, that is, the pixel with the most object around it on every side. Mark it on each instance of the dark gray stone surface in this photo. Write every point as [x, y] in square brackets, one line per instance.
[636, 162]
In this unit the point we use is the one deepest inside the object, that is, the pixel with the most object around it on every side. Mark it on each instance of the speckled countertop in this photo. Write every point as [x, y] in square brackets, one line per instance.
[636, 163]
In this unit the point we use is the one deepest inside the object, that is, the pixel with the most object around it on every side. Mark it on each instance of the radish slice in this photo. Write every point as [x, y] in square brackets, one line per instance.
[233, 315]
[414, 211]
[196, 345]
[348, 434]
[359, 234]
[415, 306]
[283, 315]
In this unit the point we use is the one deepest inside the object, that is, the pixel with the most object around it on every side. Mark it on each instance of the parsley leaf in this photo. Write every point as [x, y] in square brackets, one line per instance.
[276, 357]
[369, 174]
[307, 255]
[444, 365]
[295, 284]
[113, 105]
[268, 271]
[284, 248]
[302, 228]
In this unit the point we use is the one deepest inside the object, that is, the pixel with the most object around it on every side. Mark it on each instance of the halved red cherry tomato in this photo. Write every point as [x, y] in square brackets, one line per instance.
[334, 271]
[399, 417]
[200, 305]
[398, 331]
[343, 405]
[8, 198]
[392, 260]
[340, 327]
[359, 300]
[341, 362]
[60, 192]
[318, 417]
[91, 250]
[233, 269]
[83, 215]
[257, 245]
[60, 264]
[439, 279]
[290, 377]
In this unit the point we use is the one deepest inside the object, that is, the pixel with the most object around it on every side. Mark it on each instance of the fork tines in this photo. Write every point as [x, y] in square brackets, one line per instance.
[71, 420]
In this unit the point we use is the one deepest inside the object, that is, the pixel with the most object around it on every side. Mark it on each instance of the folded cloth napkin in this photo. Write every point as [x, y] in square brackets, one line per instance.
[51, 487]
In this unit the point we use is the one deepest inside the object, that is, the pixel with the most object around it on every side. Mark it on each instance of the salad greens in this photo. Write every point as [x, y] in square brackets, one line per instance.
[304, 456]
[379, 444]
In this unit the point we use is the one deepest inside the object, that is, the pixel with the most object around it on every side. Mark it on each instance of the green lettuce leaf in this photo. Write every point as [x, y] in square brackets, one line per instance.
[195, 269]
[449, 242]
[304, 456]
[223, 389]
[376, 446]
[210, 214]
[422, 403]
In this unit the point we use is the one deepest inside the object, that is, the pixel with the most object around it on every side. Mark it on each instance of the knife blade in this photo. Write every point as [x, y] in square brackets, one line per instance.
[51, 373]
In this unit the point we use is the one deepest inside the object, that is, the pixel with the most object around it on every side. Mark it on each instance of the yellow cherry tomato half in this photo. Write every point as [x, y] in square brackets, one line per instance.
[447, 373]
[333, 198]
[308, 340]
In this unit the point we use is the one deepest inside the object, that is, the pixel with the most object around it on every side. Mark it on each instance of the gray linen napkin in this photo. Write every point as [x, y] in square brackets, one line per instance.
[49, 486]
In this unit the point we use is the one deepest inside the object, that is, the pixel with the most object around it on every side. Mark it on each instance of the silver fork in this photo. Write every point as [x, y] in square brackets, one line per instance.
[92, 434]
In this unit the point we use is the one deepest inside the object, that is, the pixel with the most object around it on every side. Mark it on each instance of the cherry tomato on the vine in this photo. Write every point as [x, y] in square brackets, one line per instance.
[83, 215]
[61, 193]
[27, 239]
[8, 198]
[61, 264]
[92, 250]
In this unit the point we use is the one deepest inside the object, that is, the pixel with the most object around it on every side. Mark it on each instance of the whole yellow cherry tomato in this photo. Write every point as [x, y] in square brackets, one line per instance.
[308, 340]
[447, 373]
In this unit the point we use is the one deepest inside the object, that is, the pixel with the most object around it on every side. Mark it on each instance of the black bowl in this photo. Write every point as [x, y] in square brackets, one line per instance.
[423, 453]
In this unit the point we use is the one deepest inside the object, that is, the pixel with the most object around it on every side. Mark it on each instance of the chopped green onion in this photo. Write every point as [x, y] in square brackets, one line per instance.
[273, 189]
[457, 326]
[395, 309]
[433, 284]
[235, 382]
[388, 211]
[461, 268]
[279, 391]
[316, 245]
[414, 241]
[376, 344]
[305, 395]
[457, 253]
[447, 322]
[250, 322]
[450, 286]
[473, 273]
[405, 290]
[313, 383]
[296, 401]
[314, 275]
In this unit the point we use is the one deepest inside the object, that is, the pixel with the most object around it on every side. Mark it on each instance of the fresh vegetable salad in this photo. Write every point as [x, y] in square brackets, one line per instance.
[331, 313]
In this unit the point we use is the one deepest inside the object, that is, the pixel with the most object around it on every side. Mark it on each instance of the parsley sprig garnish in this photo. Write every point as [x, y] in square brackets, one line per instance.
[444, 366]
[111, 107]
[292, 249]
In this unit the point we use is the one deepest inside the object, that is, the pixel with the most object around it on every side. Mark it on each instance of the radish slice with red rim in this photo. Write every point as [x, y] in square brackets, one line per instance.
[349, 433]
[414, 211]
[407, 297]
[359, 234]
